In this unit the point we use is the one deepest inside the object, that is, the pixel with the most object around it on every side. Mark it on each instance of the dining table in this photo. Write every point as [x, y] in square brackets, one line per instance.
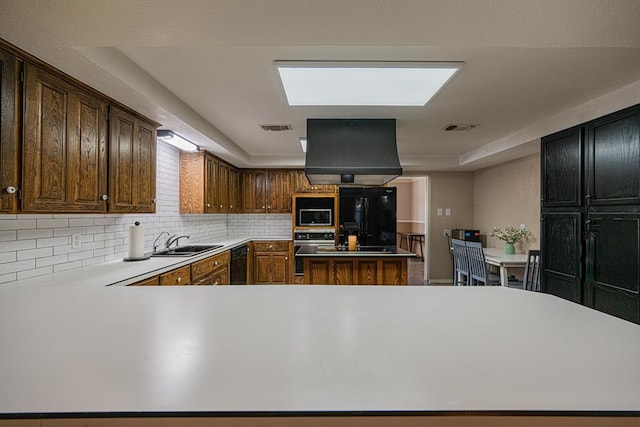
[497, 258]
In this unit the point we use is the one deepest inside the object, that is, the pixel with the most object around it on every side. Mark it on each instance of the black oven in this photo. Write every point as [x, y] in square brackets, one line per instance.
[319, 237]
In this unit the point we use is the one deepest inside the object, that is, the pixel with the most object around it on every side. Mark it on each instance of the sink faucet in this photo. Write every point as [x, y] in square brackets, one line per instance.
[173, 239]
[155, 242]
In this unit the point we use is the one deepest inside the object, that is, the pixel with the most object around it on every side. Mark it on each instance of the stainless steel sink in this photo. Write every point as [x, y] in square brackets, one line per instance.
[188, 250]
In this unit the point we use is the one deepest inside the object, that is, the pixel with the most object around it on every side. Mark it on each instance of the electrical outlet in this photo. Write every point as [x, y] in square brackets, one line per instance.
[75, 241]
[446, 232]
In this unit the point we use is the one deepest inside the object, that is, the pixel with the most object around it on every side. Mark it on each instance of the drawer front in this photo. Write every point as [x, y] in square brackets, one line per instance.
[220, 276]
[151, 281]
[200, 269]
[271, 246]
[179, 276]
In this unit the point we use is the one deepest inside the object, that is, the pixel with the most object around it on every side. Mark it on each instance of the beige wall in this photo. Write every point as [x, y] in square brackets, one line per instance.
[453, 191]
[508, 195]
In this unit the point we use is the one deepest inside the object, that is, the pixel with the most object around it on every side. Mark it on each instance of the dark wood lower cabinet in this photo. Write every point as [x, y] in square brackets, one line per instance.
[562, 253]
[613, 264]
[355, 271]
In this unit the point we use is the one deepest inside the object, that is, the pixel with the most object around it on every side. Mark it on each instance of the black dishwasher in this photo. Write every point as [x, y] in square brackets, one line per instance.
[239, 265]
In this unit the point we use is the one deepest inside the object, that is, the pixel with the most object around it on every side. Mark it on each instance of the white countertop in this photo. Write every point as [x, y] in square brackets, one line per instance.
[122, 273]
[281, 349]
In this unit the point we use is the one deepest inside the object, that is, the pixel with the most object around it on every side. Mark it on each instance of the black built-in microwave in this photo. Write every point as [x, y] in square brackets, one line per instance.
[315, 217]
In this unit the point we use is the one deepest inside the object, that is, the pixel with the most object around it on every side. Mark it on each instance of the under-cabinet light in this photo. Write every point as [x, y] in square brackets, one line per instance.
[363, 83]
[176, 140]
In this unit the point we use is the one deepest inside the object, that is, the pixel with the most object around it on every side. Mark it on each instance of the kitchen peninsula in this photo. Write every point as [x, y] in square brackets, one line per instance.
[365, 266]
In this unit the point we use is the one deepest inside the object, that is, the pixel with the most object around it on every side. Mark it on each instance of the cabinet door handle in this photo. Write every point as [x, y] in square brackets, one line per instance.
[215, 283]
[286, 258]
[208, 205]
[231, 207]
[104, 197]
[220, 206]
[268, 207]
[11, 189]
[263, 207]
[215, 263]
[179, 279]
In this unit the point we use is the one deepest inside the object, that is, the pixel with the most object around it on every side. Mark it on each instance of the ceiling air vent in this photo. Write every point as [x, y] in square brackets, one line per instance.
[276, 128]
[459, 127]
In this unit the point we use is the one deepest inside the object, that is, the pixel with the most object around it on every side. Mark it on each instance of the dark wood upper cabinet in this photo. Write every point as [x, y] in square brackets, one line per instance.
[132, 163]
[10, 102]
[614, 159]
[64, 159]
[562, 168]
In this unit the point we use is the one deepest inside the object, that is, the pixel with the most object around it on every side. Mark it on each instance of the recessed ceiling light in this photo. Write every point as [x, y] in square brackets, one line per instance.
[363, 83]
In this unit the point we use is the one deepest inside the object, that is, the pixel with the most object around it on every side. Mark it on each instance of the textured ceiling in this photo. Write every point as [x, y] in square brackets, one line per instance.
[205, 68]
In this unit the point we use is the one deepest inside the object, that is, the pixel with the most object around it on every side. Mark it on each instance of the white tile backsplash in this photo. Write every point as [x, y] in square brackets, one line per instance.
[33, 245]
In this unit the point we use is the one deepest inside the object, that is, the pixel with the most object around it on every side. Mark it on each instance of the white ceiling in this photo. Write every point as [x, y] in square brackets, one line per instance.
[204, 68]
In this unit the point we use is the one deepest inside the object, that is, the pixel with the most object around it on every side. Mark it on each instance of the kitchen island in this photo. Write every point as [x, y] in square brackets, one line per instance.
[312, 355]
[365, 266]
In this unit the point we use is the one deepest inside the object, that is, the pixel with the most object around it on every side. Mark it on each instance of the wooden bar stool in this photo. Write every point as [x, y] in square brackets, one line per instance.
[417, 238]
[405, 237]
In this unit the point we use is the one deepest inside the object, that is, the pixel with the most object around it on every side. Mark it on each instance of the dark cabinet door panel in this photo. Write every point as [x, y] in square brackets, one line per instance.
[562, 168]
[613, 264]
[614, 159]
[562, 254]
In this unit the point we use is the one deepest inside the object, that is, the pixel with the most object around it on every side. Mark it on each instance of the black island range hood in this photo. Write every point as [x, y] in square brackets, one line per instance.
[351, 151]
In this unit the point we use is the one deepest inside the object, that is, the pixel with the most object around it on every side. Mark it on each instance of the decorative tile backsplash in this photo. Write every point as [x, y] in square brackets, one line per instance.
[35, 245]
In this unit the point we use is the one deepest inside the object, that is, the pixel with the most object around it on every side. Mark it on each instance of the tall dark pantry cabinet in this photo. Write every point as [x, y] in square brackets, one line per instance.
[590, 219]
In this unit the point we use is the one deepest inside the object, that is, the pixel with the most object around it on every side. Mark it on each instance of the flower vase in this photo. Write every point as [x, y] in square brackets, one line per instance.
[509, 248]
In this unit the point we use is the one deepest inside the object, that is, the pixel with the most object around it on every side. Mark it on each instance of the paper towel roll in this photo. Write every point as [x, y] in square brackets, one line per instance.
[136, 241]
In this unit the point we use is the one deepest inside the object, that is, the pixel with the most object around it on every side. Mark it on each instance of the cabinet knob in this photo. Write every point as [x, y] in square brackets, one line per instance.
[11, 189]
[220, 206]
[286, 258]
[268, 207]
[215, 263]
[270, 246]
[263, 206]
[215, 283]
[231, 207]
[104, 197]
[179, 279]
[208, 205]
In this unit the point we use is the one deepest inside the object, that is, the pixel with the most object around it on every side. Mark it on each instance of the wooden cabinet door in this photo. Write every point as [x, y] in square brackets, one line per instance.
[192, 182]
[64, 160]
[254, 197]
[223, 187]
[211, 184]
[301, 184]
[234, 190]
[614, 159]
[10, 101]
[132, 164]
[563, 169]
[280, 191]
[612, 264]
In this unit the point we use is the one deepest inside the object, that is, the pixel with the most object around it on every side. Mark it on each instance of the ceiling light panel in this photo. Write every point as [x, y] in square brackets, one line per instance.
[360, 84]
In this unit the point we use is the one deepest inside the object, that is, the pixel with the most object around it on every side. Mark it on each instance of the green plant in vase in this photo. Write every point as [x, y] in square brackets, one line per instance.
[510, 236]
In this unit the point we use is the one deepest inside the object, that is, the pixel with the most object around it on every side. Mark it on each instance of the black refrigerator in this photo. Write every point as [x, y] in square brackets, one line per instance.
[368, 213]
